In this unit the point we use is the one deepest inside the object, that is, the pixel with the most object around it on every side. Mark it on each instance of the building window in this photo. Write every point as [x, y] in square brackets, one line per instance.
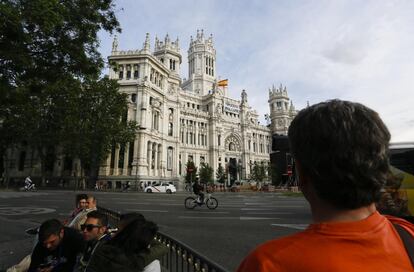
[219, 140]
[179, 165]
[134, 97]
[131, 154]
[136, 71]
[279, 105]
[169, 158]
[170, 129]
[121, 72]
[155, 120]
[128, 73]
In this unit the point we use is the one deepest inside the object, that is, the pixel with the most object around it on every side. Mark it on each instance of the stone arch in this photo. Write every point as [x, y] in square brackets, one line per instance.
[233, 142]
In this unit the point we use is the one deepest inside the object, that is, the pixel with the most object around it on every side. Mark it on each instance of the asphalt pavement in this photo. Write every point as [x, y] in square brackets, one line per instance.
[225, 235]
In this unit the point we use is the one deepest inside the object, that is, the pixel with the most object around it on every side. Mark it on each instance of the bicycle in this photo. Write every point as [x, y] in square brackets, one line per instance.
[191, 202]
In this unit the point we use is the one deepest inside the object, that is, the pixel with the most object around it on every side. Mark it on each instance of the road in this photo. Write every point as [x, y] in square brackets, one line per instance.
[225, 235]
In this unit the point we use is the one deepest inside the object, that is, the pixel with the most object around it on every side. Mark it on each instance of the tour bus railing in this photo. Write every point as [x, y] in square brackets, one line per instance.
[180, 257]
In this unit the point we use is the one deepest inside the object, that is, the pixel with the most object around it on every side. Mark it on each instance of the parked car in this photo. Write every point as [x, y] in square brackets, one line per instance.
[163, 187]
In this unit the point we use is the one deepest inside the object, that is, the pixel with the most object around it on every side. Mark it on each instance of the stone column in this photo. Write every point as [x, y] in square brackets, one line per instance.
[160, 161]
[135, 157]
[126, 160]
[116, 161]
[156, 159]
[149, 158]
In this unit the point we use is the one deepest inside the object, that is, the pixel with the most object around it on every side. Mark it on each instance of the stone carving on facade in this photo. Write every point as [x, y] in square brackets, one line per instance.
[115, 44]
[170, 115]
[232, 143]
[244, 97]
[172, 91]
[156, 104]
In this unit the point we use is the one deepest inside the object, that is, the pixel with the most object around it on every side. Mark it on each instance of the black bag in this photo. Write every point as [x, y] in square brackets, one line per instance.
[407, 240]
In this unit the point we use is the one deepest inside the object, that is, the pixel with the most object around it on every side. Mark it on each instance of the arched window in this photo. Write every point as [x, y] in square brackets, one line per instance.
[170, 129]
[169, 158]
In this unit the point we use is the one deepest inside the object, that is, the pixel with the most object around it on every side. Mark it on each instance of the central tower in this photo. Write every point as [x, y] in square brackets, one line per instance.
[201, 65]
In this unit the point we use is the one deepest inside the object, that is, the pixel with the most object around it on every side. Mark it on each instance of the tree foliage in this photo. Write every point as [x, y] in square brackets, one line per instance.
[206, 173]
[49, 70]
[96, 120]
[41, 40]
[259, 172]
[220, 175]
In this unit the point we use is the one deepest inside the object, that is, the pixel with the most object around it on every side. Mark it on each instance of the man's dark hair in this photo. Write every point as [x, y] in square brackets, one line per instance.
[102, 218]
[343, 148]
[80, 196]
[49, 227]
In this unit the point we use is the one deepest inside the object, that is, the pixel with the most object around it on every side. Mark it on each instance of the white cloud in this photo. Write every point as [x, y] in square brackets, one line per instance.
[356, 50]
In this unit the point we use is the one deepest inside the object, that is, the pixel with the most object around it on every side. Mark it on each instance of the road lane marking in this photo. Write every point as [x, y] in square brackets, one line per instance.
[143, 203]
[257, 218]
[24, 210]
[292, 226]
[140, 210]
[206, 212]
[228, 217]
[256, 209]
[269, 213]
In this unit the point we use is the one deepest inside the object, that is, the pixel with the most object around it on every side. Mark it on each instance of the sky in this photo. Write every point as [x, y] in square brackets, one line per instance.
[362, 51]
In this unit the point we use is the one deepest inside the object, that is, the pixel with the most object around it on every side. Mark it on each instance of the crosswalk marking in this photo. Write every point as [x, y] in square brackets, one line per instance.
[292, 226]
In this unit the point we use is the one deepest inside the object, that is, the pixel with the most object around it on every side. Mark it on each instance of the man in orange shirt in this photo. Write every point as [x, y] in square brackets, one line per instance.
[341, 154]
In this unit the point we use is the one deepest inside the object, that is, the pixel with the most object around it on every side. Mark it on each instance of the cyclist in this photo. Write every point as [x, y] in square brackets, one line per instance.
[29, 185]
[198, 190]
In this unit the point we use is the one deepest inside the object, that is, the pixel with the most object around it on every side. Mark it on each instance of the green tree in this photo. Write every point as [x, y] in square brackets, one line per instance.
[258, 172]
[206, 173]
[275, 177]
[41, 40]
[97, 120]
[220, 175]
[49, 49]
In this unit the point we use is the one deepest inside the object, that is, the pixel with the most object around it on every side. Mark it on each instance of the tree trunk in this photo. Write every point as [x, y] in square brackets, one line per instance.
[42, 158]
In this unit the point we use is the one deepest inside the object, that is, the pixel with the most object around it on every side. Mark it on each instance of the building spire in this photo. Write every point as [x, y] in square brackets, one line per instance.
[115, 44]
[146, 45]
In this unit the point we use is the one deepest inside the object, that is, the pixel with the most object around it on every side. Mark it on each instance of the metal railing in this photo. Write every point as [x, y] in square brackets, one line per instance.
[180, 257]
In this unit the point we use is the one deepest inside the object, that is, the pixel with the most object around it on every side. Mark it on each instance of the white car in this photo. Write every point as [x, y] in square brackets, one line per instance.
[161, 188]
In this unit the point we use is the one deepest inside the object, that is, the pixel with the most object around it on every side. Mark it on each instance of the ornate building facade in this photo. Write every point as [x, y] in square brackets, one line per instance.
[192, 119]
[179, 119]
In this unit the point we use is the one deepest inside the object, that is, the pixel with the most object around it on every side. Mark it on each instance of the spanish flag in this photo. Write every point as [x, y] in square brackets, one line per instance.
[223, 83]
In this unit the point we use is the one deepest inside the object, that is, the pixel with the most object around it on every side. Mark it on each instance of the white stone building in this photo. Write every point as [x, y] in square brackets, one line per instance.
[192, 119]
[179, 120]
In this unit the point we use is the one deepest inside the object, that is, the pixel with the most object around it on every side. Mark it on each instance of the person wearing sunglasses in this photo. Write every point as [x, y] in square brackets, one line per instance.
[94, 232]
